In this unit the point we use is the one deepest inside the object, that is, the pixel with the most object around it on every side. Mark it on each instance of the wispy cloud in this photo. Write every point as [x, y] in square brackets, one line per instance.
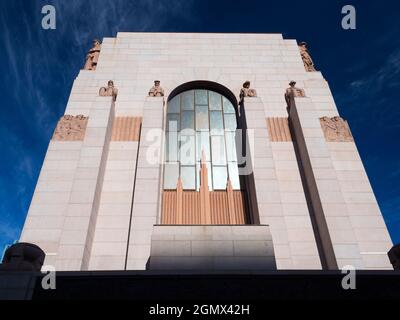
[36, 75]
[387, 76]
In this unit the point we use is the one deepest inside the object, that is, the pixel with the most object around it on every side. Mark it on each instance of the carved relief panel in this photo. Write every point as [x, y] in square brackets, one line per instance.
[70, 128]
[336, 129]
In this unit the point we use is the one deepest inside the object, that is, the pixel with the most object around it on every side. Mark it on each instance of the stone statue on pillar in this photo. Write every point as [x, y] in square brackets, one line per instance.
[246, 91]
[305, 55]
[110, 91]
[156, 90]
[293, 91]
[93, 56]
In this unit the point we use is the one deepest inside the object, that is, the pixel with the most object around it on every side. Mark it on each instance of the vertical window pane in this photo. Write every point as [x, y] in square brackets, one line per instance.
[215, 101]
[173, 122]
[230, 145]
[230, 122]
[171, 174]
[234, 175]
[187, 120]
[187, 150]
[218, 155]
[188, 100]
[202, 118]
[216, 121]
[174, 105]
[171, 149]
[188, 175]
[228, 107]
[203, 143]
[209, 171]
[201, 97]
[220, 178]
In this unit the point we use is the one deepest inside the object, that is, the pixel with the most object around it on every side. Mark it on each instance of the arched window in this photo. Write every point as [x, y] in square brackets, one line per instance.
[201, 124]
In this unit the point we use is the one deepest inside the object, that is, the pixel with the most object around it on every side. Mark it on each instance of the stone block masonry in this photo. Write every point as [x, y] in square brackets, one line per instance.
[98, 201]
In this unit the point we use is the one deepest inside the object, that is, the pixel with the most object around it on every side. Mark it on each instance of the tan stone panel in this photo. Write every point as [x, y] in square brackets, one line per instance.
[191, 204]
[70, 128]
[126, 129]
[336, 129]
[278, 129]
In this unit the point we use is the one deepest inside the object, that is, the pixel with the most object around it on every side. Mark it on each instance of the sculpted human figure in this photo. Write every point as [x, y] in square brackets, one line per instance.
[110, 91]
[305, 55]
[293, 91]
[156, 90]
[246, 91]
[93, 56]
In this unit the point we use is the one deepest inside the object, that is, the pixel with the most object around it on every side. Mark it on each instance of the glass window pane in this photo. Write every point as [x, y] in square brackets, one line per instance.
[202, 118]
[203, 143]
[230, 145]
[171, 174]
[220, 178]
[216, 121]
[234, 175]
[205, 114]
[173, 121]
[215, 101]
[209, 171]
[174, 105]
[228, 107]
[218, 155]
[201, 97]
[188, 175]
[187, 150]
[188, 100]
[171, 149]
[187, 121]
[230, 122]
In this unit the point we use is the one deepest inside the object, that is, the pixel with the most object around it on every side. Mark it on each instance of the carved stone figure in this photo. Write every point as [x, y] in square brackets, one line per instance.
[246, 91]
[93, 56]
[336, 129]
[110, 91]
[293, 91]
[156, 90]
[305, 55]
[71, 128]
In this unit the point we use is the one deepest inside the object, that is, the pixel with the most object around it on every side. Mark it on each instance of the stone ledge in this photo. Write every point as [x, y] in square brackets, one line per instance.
[212, 247]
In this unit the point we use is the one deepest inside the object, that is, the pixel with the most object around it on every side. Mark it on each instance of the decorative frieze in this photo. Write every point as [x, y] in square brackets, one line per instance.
[126, 129]
[70, 128]
[93, 56]
[203, 206]
[183, 207]
[305, 56]
[336, 129]
[278, 129]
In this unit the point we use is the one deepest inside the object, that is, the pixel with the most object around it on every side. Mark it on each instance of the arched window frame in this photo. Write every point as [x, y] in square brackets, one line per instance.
[201, 118]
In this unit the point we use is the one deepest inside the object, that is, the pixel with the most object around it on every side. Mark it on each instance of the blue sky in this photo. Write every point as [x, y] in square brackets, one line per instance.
[38, 68]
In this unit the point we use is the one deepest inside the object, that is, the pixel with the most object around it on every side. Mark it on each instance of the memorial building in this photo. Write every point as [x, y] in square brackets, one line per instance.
[204, 152]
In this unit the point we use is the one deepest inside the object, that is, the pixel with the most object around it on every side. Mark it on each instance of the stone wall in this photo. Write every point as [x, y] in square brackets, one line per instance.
[84, 214]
